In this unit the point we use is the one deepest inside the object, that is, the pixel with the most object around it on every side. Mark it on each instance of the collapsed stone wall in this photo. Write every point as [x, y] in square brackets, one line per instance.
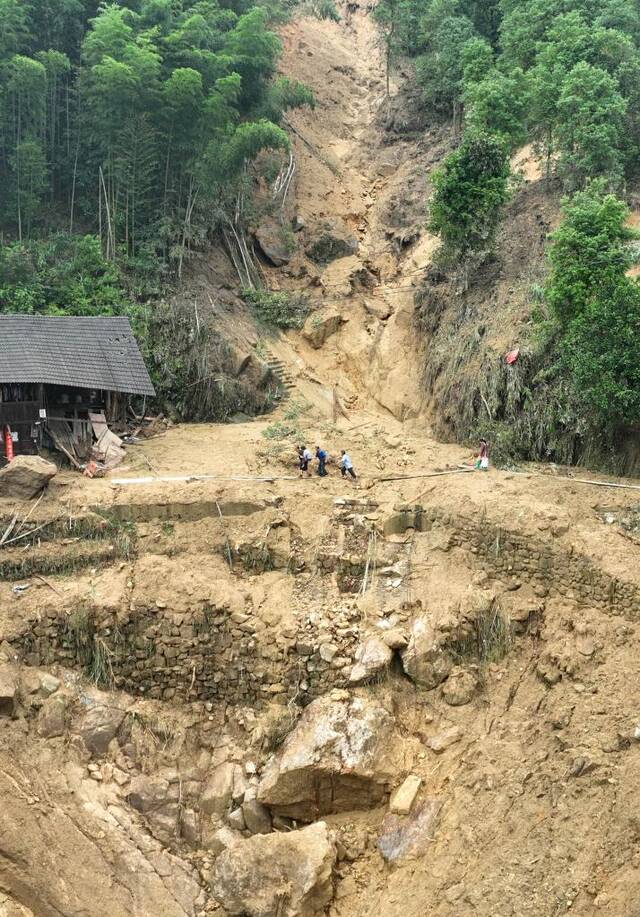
[543, 563]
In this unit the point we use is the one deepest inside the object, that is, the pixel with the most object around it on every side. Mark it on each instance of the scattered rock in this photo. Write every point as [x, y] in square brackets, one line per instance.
[460, 687]
[272, 241]
[403, 798]
[216, 839]
[425, 660]
[443, 740]
[49, 684]
[378, 308]
[8, 690]
[320, 325]
[548, 671]
[404, 837]
[277, 875]
[331, 239]
[395, 639]
[455, 892]
[147, 793]
[52, 717]
[99, 726]
[585, 646]
[373, 657]
[236, 820]
[342, 755]
[25, 476]
[257, 817]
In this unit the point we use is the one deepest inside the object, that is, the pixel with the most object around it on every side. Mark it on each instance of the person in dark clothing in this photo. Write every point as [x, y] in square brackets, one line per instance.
[345, 465]
[321, 455]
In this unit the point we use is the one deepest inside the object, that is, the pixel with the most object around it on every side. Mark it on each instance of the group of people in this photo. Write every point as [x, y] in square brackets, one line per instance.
[305, 457]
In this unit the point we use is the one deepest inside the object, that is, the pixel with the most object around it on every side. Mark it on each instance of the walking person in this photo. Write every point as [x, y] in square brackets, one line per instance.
[346, 466]
[321, 455]
[304, 457]
[482, 462]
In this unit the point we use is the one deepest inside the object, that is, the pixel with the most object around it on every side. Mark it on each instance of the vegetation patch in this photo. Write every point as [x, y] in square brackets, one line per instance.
[278, 309]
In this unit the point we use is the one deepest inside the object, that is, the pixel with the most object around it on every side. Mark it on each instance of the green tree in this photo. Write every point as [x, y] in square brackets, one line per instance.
[596, 306]
[470, 191]
[589, 250]
[602, 344]
[497, 105]
[591, 119]
[440, 68]
[387, 14]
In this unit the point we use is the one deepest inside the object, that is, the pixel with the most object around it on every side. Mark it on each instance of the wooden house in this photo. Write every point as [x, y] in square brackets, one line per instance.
[60, 373]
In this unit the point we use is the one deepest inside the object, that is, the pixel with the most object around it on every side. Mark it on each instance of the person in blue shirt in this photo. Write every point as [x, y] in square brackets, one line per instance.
[321, 455]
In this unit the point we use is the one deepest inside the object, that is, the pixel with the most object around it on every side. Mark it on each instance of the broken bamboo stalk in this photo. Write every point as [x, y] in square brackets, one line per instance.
[603, 483]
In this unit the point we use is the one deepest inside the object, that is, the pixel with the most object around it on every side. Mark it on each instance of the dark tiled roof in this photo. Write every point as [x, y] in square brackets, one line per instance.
[79, 351]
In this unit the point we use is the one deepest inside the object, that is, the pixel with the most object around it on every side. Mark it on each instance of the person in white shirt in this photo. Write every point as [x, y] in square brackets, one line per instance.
[345, 465]
[304, 457]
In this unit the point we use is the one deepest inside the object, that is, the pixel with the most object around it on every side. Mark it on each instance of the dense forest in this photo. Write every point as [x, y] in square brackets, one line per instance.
[125, 131]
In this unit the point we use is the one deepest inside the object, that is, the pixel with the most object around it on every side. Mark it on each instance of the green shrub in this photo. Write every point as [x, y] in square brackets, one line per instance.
[326, 9]
[280, 309]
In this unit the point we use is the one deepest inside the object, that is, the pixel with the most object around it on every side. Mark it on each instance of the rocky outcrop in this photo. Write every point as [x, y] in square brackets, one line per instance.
[158, 801]
[341, 755]
[373, 658]
[329, 240]
[277, 875]
[426, 660]
[25, 476]
[319, 326]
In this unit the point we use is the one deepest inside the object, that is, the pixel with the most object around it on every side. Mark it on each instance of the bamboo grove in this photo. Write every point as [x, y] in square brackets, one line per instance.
[133, 122]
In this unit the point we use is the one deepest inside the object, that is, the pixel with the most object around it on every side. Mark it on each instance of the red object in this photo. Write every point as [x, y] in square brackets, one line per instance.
[8, 443]
[512, 356]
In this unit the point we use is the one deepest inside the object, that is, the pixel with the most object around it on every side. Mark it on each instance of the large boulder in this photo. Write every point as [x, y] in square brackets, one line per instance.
[319, 326]
[52, 717]
[329, 240]
[426, 660]
[373, 658]
[272, 241]
[460, 687]
[277, 875]
[99, 726]
[217, 793]
[25, 477]
[342, 755]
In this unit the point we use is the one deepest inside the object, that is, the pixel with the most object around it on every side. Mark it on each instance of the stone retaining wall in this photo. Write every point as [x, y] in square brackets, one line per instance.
[545, 563]
[208, 653]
